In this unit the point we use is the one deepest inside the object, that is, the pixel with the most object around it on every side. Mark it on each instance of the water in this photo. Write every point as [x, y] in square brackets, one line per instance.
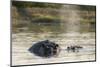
[23, 41]
[71, 29]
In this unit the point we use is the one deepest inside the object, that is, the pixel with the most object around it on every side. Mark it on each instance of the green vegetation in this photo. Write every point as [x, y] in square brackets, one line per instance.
[45, 17]
[21, 4]
[89, 8]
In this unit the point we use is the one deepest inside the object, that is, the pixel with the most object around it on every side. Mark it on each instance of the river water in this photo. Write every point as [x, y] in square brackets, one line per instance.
[72, 26]
[21, 42]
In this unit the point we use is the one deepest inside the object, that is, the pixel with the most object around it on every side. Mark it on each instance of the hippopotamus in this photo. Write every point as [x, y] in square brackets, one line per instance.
[74, 48]
[45, 48]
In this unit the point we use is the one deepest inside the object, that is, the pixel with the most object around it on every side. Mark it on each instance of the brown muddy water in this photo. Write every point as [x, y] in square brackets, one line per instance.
[71, 26]
[21, 42]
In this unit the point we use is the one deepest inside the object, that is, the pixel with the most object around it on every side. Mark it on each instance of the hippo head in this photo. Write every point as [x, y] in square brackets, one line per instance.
[44, 48]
